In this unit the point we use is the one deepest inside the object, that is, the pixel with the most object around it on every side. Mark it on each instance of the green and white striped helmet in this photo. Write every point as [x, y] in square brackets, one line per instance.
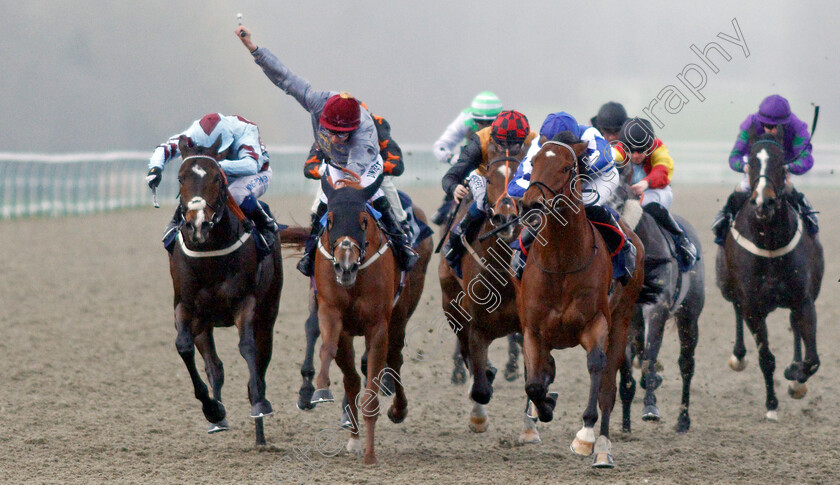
[485, 106]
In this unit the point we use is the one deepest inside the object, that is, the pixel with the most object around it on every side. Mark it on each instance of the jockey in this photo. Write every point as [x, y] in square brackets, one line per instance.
[485, 107]
[600, 180]
[609, 119]
[346, 133]
[243, 160]
[653, 168]
[510, 132]
[391, 154]
[773, 114]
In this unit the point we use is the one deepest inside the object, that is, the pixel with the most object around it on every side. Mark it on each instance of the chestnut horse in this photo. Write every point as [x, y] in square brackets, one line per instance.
[482, 307]
[565, 297]
[667, 293]
[220, 281]
[769, 261]
[357, 281]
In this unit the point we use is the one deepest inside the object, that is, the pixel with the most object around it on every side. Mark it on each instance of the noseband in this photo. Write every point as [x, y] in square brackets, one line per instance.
[543, 187]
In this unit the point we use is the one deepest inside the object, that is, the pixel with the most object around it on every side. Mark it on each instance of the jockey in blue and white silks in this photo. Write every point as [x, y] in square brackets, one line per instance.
[597, 185]
[601, 176]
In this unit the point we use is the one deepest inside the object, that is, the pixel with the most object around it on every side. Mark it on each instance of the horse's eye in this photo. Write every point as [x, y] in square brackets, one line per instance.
[180, 180]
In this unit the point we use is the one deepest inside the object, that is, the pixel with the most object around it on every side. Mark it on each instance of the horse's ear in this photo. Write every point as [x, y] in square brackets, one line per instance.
[372, 188]
[214, 148]
[326, 186]
[185, 143]
[579, 148]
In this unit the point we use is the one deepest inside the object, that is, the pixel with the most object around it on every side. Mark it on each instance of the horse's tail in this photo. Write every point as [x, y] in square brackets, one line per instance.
[294, 237]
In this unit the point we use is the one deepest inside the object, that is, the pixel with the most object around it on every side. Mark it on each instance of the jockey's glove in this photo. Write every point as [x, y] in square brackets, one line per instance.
[154, 177]
[442, 154]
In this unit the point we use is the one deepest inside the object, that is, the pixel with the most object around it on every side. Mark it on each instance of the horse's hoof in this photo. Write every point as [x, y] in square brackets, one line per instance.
[797, 390]
[491, 373]
[511, 372]
[651, 413]
[217, 427]
[459, 375]
[737, 364]
[214, 411]
[478, 424]
[387, 386]
[354, 446]
[584, 442]
[531, 411]
[683, 423]
[603, 460]
[397, 416]
[529, 437]
[370, 460]
[322, 395]
[345, 422]
[261, 409]
[772, 416]
[481, 396]
[304, 402]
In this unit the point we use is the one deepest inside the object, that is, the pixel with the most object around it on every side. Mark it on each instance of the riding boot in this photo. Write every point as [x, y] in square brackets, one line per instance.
[258, 212]
[806, 211]
[307, 262]
[171, 230]
[724, 218]
[453, 248]
[687, 254]
[443, 212]
[602, 215]
[406, 257]
[520, 250]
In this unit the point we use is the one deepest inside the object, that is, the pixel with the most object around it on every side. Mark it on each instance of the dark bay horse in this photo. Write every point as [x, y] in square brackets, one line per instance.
[357, 281]
[567, 296]
[220, 281]
[481, 307]
[667, 293]
[767, 262]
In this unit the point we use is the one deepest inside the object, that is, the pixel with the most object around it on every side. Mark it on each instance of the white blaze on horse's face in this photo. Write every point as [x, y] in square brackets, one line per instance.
[198, 170]
[550, 154]
[197, 204]
[503, 170]
[762, 180]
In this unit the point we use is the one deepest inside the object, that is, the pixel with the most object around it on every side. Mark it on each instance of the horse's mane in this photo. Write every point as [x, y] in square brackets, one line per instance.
[566, 137]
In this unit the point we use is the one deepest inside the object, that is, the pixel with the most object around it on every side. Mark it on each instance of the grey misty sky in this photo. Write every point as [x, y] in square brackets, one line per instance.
[102, 75]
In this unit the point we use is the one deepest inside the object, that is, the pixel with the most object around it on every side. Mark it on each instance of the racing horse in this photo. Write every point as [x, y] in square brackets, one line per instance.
[667, 293]
[567, 296]
[769, 261]
[220, 280]
[361, 292]
[481, 307]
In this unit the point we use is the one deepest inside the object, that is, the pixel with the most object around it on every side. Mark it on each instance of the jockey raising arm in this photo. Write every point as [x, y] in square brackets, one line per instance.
[242, 157]
[345, 132]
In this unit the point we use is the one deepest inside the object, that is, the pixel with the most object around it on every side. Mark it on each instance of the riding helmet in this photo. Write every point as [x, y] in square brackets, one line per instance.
[774, 110]
[485, 106]
[610, 117]
[637, 135]
[341, 113]
[510, 127]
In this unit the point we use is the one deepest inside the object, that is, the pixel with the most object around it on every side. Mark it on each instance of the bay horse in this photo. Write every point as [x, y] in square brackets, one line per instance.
[769, 261]
[481, 307]
[667, 293]
[220, 281]
[567, 296]
[357, 281]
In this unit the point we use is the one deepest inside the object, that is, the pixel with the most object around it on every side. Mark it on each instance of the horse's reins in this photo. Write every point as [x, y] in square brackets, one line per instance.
[218, 212]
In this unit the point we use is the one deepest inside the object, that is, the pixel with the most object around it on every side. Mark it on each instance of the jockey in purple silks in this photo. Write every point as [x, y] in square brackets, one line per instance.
[773, 114]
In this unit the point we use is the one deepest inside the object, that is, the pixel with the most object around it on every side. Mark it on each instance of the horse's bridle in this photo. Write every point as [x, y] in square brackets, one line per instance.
[507, 159]
[539, 185]
[360, 263]
[218, 212]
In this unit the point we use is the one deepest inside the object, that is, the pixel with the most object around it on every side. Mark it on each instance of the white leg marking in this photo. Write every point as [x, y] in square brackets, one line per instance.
[354, 445]
[772, 415]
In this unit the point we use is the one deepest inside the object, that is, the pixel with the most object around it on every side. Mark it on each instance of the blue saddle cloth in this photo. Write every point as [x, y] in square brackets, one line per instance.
[419, 229]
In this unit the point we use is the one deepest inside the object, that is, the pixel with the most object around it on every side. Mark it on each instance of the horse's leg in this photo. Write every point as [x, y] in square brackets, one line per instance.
[252, 335]
[214, 369]
[352, 383]
[512, 366]
[329, 322]
[803, 321]
[482, 390]
[376, 345]
[767, 363]
[627, 387]
[536, 375]
[655, 316]
[688, 334]
[307, 370]
[594, 342]
[459, 369]
[737, 361]
[399, 406]
[213, 410]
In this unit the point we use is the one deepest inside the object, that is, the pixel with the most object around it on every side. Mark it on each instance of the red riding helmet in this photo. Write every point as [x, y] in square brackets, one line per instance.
[341, 113]
[510, 127]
